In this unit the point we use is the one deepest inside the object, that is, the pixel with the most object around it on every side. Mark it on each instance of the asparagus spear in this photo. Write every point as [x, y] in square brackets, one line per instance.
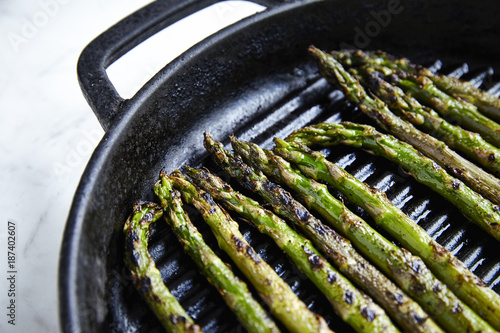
[145, 275]
[354, 307]
[460, 111]
[445, 266]
[278, 295]
[488, 104]
[408, 271]
[469, 143]
[424, 90]
[472, 175]
[472, 205]
[406, 312]
[485, 102]
[234, 291]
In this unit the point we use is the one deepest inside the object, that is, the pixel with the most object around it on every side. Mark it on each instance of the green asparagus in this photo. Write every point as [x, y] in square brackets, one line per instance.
[145, 275]
[234, 291]
[475, 177]
[354, 307]
[472, 205]
[408, 271]
[282, 301]
[406, 312]
[424, 90]
[460, 111]
[488, 104]
[468, 287]
[485, 102]
[469, 143]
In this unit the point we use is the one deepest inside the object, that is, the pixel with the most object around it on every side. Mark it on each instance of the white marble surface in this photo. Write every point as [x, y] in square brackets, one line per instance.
[48, 133]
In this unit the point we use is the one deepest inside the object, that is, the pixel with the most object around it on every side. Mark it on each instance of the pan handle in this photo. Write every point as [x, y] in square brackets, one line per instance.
[97, 89]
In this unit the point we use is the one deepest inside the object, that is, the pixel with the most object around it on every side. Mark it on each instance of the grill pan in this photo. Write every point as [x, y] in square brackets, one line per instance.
[255, 80]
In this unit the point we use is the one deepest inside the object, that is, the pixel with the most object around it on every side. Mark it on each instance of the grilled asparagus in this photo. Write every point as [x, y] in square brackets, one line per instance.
[459, 111]
[406, 312]
[469, 143]
[145, 275]
[424, 90]
[485, 102]
[443, 264]
[408, 271]
[234, 291]
[488, 104]
[475, 177]
[472, 205]
[282, 301]
[354, 307]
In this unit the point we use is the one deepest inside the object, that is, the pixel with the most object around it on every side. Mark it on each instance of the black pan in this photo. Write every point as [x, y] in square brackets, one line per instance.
[253, 79]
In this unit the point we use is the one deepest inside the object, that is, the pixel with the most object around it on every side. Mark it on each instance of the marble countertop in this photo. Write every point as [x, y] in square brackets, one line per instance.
[48, 132]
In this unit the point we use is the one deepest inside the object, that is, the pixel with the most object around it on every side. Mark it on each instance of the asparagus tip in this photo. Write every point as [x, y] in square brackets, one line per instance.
[317, 53]
[163, 173]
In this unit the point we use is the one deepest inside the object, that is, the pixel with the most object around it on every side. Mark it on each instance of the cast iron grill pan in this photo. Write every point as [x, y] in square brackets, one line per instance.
[254, 80]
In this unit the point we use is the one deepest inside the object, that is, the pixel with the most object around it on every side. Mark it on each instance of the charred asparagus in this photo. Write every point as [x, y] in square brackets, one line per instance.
[485, 102]
[408, 271]
[472, 205]
[234, 291]
[476, 178]
[354, 307]
[339, 250]
[424, 90]
[469, 143]
[282, 301]
[444, 265]
[146, 276]
[459, 111]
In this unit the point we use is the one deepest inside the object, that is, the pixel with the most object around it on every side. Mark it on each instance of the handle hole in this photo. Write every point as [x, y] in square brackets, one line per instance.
[131, 71]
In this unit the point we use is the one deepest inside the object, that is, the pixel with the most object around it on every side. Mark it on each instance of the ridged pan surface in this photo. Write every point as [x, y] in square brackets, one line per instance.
[256, 82]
